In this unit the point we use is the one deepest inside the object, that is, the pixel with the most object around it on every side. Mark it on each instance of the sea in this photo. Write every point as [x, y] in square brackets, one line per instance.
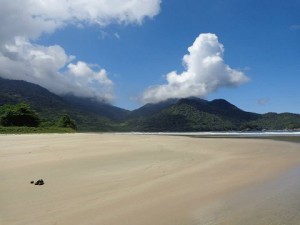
[224, 134]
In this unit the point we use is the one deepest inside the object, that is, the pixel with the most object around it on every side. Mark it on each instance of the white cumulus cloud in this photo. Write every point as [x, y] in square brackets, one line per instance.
[23, 21]
[205, 72]
[53, 69]
[30, 18]
[85, 76]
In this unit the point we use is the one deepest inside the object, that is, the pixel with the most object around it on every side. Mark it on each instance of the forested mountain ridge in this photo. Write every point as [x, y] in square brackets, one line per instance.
[51, 106]
[188, 114]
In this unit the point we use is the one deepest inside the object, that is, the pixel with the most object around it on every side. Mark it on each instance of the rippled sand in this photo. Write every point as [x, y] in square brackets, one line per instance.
[114, 179]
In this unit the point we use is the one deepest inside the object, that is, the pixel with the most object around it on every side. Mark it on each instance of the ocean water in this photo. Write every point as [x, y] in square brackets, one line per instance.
[229, 134]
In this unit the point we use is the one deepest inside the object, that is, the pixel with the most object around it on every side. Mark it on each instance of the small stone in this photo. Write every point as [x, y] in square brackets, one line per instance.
[32, 182]
[40, 182]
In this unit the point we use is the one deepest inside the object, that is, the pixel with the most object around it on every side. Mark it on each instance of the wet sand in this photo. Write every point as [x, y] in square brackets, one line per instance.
[115, 179]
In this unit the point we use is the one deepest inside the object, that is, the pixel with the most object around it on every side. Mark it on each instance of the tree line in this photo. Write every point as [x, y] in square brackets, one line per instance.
[22, 115]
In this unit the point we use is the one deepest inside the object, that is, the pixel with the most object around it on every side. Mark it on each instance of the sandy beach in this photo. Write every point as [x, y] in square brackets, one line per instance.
[115, 179]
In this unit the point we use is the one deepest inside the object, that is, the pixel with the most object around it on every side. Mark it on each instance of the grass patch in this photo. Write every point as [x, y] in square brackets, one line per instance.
[34, 130]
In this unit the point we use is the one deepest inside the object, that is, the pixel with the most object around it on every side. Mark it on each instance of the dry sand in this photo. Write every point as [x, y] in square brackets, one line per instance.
[112, 179]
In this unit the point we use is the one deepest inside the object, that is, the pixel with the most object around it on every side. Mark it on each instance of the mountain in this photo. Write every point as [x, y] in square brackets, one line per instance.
[276, 121]
[187, 114]
[51, 106]
[152, 108]
[45, 102]
[194, 114]
[220, 107]
[191, 114]
[100, 108]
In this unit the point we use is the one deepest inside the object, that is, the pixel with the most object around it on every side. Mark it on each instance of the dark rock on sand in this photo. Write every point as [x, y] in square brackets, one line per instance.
[40, 182]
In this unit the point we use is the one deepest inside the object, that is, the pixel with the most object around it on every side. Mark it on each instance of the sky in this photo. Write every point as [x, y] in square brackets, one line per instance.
[133, 52]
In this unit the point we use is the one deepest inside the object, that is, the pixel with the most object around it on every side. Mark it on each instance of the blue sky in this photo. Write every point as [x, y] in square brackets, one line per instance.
[261, 40]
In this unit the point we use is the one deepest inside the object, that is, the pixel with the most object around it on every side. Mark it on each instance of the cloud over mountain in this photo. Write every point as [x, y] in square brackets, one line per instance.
[23, 21]
[205, 72]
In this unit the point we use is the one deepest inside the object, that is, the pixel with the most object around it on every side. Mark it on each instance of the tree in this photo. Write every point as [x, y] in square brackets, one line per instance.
[18, 115]
[66, 121]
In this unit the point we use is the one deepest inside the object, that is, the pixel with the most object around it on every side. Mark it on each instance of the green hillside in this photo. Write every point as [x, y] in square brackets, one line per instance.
[190, 114]
[50, 106]
[193, 114]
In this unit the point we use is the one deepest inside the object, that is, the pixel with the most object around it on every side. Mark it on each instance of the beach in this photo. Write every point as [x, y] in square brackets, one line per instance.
[123, 179]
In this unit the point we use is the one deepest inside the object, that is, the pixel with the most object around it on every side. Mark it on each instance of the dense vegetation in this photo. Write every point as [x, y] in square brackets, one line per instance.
[181, 117]
[18, 115]
[274, 121]
[194, 114]
[41, 110]
[51, 107]
[21, 118]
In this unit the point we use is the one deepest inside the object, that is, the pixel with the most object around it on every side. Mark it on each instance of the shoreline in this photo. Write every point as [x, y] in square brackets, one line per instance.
[293, 137]
[287, 138]
[145, 179]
